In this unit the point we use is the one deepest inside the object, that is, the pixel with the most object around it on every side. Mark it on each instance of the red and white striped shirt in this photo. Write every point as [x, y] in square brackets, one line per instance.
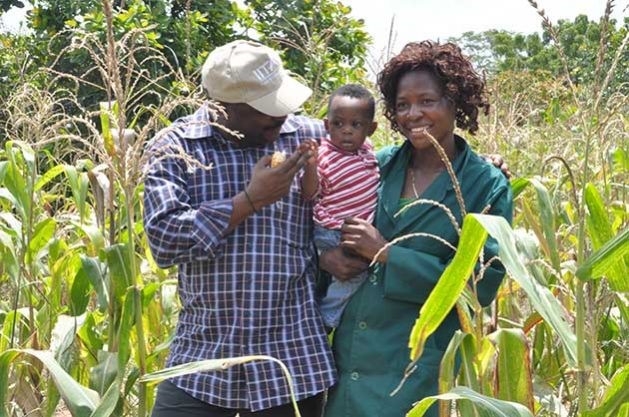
[348, 183]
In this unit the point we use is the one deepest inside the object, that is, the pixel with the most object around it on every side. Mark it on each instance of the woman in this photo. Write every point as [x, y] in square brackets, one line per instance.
[427, 89]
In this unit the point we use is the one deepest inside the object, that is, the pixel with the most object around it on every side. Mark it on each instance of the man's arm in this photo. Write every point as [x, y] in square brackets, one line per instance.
[176, 231]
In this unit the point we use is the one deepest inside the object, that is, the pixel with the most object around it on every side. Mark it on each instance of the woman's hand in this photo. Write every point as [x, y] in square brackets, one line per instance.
[341, 265]
[362, 238]
[499, 162]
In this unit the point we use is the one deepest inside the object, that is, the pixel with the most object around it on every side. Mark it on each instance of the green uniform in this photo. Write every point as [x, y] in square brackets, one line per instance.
[370, 345]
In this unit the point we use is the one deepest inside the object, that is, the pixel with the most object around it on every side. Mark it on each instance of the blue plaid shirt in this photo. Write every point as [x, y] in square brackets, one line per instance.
[248, 292]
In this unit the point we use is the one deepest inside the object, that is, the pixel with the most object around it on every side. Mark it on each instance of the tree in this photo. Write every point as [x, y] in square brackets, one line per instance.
[185, 30]
[497, 51]
[319, 39]
[8, 4]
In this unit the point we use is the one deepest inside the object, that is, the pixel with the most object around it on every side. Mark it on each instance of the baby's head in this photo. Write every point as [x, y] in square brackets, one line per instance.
[350, 116]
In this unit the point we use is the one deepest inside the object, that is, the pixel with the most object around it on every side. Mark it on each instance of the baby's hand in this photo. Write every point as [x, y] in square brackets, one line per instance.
[311, 146]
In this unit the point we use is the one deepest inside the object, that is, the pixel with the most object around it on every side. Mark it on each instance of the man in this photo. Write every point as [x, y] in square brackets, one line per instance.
[241, 236]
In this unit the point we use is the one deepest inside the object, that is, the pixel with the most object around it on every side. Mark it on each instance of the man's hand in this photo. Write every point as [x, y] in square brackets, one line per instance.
[499, 162]
[341, 265]
[268, 185]
[362, 238]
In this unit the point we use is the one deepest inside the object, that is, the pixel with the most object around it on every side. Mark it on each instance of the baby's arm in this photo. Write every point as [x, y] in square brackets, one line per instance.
[310, 179]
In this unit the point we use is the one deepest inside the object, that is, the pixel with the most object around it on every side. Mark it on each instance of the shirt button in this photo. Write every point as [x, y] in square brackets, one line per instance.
[354, 376]
[362, 325]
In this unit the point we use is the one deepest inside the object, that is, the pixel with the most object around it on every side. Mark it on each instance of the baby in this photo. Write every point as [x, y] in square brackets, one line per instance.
[343, 179]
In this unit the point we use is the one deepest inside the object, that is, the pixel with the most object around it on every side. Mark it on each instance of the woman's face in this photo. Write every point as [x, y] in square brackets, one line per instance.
[421, 106]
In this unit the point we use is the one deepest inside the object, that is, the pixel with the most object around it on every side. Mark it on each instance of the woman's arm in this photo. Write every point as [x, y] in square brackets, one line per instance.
[410, 275]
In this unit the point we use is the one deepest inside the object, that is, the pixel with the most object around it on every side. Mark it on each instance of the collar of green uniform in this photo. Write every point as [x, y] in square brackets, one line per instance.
[393, 174]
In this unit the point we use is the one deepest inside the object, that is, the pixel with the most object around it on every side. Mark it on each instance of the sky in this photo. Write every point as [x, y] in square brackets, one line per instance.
[416, 20]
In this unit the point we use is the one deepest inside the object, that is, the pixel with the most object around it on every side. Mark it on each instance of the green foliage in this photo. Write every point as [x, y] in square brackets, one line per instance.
[490, 407]
[497, 51]
[319, 39]
[80, 400]
[8, 4]
[616, 398]
[185, 37]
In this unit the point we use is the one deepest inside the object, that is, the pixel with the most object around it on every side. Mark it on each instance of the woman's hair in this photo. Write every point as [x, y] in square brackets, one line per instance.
[460, 82]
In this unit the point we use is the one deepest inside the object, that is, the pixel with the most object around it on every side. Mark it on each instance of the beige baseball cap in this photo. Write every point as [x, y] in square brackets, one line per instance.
[248, 72]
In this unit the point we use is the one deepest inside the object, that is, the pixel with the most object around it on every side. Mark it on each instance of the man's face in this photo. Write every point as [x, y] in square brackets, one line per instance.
[258, 129]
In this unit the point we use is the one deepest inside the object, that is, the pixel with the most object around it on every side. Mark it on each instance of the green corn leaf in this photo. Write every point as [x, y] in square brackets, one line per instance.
[104, 374]
[513, 367]
[15, 183]
[6, 358]
[42, 235]
[219, 365]
[6, 194]
[202, 366]
[449, 287]
[94, 234]
[616, 398]
[79, 293]
[89, 336]
[80, 400]
[109, 401]
[605, 259]
[452, 282]
[518, 185]
[190, 368]
[127, 319]
[119, 268]
[48, 176]
[91, 269]
[599, 226]
[63, 339]
[446, 369]
[27, 152]
[52, 400]
[491, 407]
[547, 217]
[542, 299]
[469, 372]
[108, 140]
[12, 320]
[601, 231]
[7, 251]
[79, 184]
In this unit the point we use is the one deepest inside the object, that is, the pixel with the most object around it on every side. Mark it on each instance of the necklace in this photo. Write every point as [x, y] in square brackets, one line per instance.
[413, 182]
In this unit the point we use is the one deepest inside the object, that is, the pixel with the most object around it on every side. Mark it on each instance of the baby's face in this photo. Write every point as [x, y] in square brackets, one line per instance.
[348, 122]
